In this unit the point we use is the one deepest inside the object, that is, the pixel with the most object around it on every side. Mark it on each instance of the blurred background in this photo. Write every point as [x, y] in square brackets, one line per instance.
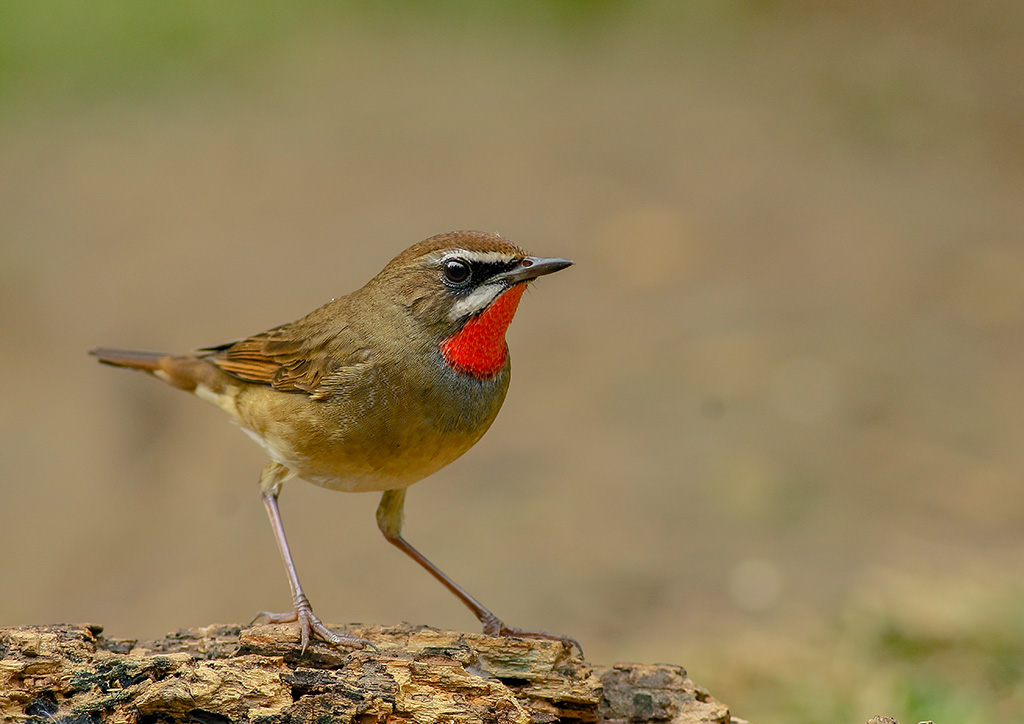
[769, 427]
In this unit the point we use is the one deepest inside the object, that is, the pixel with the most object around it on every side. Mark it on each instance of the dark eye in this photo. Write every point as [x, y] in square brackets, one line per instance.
[456, 271]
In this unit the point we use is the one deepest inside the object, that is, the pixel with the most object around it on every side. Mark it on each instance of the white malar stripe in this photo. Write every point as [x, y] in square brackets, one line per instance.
[477, 301]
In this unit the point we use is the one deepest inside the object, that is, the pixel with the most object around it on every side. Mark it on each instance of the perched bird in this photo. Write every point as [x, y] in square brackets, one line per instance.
[374, 390]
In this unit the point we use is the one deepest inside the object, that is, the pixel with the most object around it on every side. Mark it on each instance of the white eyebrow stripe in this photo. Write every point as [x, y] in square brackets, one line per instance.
[478, 300]
[484, 257]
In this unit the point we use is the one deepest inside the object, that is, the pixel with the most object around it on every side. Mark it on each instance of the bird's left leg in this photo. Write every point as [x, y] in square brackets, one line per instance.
[390, 516]
[271, 480]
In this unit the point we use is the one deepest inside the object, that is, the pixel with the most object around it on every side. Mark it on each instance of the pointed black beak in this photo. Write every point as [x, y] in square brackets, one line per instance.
[532, 267]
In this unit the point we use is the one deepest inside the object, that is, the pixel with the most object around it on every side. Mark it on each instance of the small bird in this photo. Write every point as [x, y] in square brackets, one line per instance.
[374, 390]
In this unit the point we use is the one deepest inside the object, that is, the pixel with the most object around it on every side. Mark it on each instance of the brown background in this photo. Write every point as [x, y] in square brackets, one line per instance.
[786, 367]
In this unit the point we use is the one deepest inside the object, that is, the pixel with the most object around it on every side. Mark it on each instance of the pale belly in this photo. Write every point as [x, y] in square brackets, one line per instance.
[375, 449]
[346, 473]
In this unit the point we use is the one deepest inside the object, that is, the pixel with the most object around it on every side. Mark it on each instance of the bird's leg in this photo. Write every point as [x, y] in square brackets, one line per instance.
[390, 516]
[271, 480]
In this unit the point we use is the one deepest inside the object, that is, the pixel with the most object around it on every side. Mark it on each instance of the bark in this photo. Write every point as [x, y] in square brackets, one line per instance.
[72, 674]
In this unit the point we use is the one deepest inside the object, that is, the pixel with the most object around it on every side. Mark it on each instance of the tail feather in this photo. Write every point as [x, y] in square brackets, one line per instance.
[148, 361]
[185, 372]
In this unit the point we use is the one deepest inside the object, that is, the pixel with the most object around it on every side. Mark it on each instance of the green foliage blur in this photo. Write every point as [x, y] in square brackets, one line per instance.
[112, 48]
[943, 651]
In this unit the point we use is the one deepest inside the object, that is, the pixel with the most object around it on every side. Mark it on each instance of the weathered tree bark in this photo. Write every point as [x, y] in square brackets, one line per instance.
[73, 675]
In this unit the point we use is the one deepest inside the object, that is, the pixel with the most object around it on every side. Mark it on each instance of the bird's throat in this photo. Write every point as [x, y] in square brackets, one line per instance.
[479, 348]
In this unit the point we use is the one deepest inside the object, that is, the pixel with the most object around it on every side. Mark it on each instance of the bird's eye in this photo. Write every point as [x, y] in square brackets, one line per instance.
[456, 271]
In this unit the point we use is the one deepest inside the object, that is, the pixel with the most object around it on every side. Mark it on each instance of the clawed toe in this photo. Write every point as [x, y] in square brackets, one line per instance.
[310, 626]
[494, 626]
[567, 641]
[268, 617]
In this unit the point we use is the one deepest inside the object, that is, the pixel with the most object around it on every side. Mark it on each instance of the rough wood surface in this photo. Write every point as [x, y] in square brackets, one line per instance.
[72, 674]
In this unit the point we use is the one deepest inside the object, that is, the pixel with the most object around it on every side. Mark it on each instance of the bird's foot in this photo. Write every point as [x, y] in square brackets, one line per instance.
[311, 626]
[494, 626]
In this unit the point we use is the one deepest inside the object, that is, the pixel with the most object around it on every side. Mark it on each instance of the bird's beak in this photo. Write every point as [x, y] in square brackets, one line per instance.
[532, 267]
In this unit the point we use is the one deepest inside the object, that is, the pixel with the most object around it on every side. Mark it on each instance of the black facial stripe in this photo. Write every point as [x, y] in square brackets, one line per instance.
[481, 271]
[484, 270]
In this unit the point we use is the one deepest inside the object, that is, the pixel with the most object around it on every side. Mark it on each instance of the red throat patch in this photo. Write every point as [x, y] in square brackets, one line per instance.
[479, 348]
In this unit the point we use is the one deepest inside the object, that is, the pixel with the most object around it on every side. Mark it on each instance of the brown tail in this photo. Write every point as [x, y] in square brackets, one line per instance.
[183, 372]
[148, 361]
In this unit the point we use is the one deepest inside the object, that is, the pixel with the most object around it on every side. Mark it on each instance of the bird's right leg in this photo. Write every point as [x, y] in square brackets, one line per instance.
[390, 516]
[271, 480]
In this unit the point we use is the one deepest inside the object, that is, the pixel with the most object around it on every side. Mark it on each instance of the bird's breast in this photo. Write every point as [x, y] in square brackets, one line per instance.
[378, 427]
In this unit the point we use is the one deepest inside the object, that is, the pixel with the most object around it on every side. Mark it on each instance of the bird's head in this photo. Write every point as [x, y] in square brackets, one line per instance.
[462, 289]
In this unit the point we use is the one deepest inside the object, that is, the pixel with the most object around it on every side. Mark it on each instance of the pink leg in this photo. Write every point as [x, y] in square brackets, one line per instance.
[389, 520]
[309, 624]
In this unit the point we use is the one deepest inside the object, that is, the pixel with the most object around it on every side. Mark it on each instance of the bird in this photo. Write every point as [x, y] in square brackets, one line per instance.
[373, 391]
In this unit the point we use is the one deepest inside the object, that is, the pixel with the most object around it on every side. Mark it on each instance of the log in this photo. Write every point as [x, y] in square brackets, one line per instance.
[72, 674]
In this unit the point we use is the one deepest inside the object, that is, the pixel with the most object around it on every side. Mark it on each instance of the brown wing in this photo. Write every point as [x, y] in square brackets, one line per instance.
[292, 358]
